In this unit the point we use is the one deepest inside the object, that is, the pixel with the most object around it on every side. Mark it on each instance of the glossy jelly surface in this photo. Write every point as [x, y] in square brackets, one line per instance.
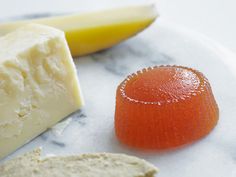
[164, 107]
[162, 84]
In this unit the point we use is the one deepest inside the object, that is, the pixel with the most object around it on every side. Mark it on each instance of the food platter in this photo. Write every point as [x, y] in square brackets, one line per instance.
[91, 129]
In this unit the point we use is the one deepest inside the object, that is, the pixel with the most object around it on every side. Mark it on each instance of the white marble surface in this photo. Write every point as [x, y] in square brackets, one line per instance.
[91, 129]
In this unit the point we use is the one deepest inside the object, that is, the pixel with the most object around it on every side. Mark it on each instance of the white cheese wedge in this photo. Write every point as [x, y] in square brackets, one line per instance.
[84, 165]
[38, 84]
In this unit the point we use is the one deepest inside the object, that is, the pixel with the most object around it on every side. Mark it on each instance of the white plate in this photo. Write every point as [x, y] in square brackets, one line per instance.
[91, 129]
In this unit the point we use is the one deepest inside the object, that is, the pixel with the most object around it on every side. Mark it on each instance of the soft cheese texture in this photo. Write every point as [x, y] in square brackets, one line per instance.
[38, 84]
[85, 165]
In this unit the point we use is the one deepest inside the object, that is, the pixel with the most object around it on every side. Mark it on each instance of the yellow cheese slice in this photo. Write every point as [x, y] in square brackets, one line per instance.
[94, 31]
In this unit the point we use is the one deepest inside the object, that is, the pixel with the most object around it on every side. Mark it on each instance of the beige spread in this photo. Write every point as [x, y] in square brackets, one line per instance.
[85, 165]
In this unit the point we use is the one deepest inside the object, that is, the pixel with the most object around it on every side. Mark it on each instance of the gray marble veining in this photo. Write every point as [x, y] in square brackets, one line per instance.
[119, 59]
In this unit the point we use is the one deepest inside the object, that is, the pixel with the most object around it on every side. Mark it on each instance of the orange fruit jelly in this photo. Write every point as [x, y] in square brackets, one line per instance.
[164, 107]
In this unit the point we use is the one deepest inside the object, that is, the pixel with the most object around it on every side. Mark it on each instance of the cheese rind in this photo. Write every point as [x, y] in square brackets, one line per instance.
[38, 84]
